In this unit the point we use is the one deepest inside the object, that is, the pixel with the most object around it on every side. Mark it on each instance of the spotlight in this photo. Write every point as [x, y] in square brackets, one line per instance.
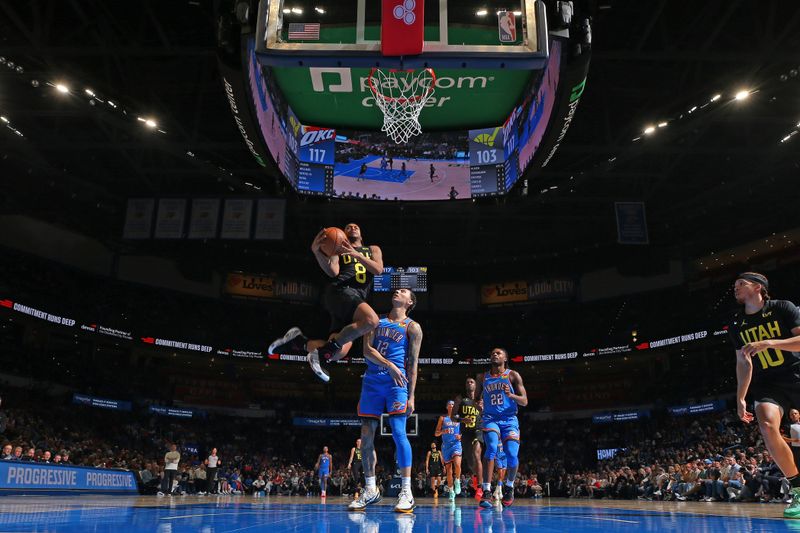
[20, 70]
[297, 11]
[742, 95]
[649, 130]
[482, 13]
[34, 83]
[716, 97]
[89, 92]
[4, 119]
[150, 123]
[319, 10]
[662, 124]
[62, 88]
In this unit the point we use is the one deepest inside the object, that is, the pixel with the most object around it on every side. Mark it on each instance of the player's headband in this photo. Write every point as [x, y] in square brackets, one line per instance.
[755, 278]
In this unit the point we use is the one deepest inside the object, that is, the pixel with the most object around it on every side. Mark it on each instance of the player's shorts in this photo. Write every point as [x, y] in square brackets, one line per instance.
[500, 461]
[507, 428]
[450, 451]
[324, 473]
[341, 303]
[470, 436]
[379, 395]
[435, 470]
[784, 395]
[356, 469]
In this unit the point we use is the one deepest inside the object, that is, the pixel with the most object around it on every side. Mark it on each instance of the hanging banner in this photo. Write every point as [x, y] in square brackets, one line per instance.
[631, 223]
[139, 218]
[237, 218]
[204, 218]
[170, 218]
[504, 293]
[270, 218]
[103, 403]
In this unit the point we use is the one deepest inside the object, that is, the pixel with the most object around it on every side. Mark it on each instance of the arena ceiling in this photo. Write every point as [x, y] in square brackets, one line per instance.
[712, 178]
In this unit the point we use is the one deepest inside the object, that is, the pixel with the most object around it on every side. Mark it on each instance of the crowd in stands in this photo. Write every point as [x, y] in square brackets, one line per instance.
[711, 457]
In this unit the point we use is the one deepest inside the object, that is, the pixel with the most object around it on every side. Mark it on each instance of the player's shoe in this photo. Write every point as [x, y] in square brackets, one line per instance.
[458, 487]
[313, 360]
[793, 510]
[479, 493]
[365, 498]
[405, 502]
[451, 493]
[486, 500]
[293, 342]
[508, 496]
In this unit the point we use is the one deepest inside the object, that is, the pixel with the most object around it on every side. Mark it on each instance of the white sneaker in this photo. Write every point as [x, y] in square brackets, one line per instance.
[313, 360]
[498, 492]
[405, 502]
[159, 493]
[364, 499]
[458, 487]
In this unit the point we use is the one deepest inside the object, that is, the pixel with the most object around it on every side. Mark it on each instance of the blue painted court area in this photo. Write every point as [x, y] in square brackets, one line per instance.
[229, 515]
[352, 168]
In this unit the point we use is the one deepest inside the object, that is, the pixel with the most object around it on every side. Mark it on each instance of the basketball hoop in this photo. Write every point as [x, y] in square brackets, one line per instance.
[401, 95]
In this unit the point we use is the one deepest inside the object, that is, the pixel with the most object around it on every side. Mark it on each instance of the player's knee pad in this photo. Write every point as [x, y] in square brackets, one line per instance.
[512, 453]
[490, 439]
[398, 425]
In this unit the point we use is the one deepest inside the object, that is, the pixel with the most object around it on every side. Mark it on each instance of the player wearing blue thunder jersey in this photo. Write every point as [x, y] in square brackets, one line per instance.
[392, 353]
[450, 431]
[502, 391]
[325, 467]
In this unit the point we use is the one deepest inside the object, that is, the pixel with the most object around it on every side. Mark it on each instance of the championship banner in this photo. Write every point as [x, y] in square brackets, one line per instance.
[139, 218]
[19, 477]
[631, 223]
[170, 218]
[236, 219]
[270, 218]
[504, 293]
[204, 219]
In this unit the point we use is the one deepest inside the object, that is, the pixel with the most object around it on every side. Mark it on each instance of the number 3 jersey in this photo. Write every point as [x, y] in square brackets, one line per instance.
[496, 404]
[774, 321]
[391, 340]
[354, 274]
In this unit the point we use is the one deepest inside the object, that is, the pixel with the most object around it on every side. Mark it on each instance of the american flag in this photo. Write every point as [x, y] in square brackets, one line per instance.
[304, 31]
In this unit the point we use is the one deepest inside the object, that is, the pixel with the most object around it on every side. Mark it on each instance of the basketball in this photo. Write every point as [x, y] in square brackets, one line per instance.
[333, 238]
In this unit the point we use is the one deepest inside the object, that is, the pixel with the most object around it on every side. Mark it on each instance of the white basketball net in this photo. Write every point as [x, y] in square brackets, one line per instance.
[401, 95]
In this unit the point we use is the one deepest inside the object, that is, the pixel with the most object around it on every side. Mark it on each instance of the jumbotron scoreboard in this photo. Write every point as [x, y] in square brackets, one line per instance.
[414, 278]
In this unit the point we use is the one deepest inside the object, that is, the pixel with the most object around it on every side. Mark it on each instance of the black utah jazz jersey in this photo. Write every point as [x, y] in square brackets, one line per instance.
[353, 274]
[774, 321]
[470, 415]
[357, 455]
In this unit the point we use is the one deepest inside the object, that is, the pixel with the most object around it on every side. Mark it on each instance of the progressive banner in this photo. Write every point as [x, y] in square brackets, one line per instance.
[16, 476]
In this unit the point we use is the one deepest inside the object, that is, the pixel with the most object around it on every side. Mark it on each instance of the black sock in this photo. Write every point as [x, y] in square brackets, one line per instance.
[794, 481]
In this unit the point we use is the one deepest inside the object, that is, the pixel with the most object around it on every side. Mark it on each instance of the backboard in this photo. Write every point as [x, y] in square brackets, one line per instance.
[457, 34]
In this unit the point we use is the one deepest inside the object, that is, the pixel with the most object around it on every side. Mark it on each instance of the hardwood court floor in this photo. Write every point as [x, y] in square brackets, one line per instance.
[229, 514]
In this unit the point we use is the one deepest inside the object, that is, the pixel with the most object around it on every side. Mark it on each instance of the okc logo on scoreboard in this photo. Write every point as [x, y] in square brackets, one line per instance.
[405, 12]
[314, 135]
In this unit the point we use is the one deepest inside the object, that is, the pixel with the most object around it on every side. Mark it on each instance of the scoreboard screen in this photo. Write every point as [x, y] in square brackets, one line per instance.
[414, 278]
